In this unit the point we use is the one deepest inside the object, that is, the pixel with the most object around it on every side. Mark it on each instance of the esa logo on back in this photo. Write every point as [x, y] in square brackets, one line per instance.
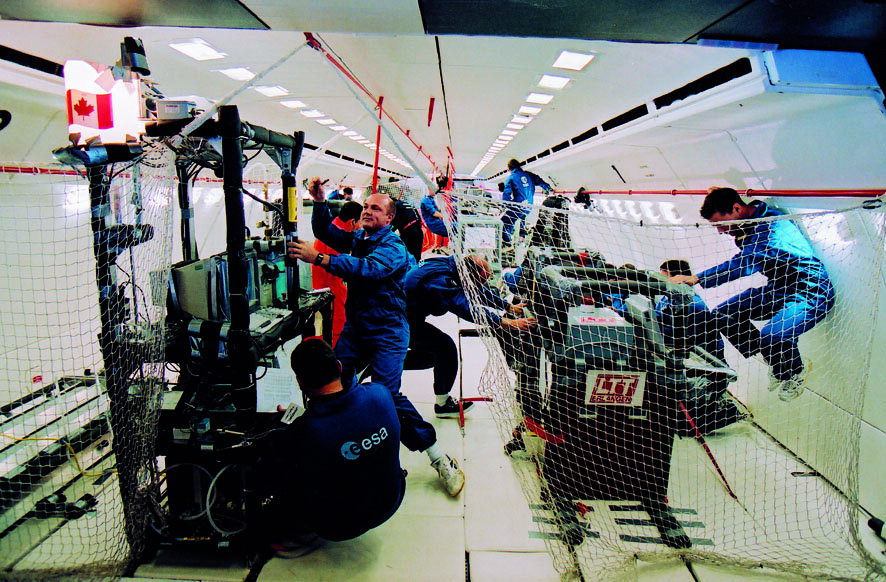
[351, 450]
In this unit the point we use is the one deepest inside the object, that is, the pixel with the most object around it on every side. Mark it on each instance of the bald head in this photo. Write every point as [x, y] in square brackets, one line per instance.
[478, 269]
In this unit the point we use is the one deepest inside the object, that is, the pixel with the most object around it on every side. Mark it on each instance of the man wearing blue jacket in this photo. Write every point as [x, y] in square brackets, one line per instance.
[435, 287]
[519, 189]
[373, 262]
[797, 295]
[342, 453]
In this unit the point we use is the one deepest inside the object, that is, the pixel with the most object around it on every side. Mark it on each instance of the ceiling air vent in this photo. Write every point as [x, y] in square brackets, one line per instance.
[586, 135]
[560, 146]
[734, 70]
[626, 117]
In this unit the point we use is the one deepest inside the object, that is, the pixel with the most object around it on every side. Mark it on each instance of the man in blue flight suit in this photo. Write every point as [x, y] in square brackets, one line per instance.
[797, 295]
[373, 262]
[342, 453]
[519, 189]
[435, 287]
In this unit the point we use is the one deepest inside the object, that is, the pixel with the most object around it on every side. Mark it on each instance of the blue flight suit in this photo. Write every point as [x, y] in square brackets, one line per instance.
[375, 332]
[434, 224]
[335, 471]
[797, 295]
[434, 288]
[519, 190]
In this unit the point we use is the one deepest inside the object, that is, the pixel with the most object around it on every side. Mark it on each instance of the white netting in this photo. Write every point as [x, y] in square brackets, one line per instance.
[765, 472]
[82, 302]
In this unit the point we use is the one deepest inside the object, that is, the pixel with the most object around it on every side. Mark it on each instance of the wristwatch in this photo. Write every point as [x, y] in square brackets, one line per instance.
[319, 259]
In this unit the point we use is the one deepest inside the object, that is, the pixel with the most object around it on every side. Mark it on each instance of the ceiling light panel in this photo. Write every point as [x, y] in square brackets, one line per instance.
[198, 49]
[521, 119]
[529, 110]
[271, 90]
[516, 126]
[313, 113]
[293, 104]
[338, 127]
[237, 73]
[326, 121]
[553, 81]
[540, 98]
[572, 61]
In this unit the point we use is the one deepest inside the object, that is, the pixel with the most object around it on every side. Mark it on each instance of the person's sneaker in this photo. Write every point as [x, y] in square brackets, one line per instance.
[794, 386]
[515, 446]
[450, 408]
[453, 478]
[300, 545]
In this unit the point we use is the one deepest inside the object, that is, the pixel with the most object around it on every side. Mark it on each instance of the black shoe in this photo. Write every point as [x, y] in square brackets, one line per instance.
[450, 409]
[515, 445]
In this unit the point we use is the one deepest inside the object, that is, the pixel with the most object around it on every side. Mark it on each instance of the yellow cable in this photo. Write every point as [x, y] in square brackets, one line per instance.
[71, 453]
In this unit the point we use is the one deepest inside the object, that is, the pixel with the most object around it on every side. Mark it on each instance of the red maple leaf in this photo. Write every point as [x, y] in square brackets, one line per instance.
[83, 108]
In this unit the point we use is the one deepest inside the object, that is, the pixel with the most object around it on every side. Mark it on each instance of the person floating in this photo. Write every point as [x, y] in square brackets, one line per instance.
[798, 293]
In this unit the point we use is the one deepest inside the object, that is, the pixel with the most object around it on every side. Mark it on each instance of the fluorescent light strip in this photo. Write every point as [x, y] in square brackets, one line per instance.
[326, 121]
[198, 49]
[515, 126]
[349, 133]
[529, 110]
[505, 137]
[572, 61]
[540, 98]
[521, 119]
[293, 104]
[313, 113]
[237, 73]
[338, 127]
[508, 132]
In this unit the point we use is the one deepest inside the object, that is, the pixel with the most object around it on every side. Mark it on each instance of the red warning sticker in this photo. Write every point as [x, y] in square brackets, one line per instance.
[615, 388]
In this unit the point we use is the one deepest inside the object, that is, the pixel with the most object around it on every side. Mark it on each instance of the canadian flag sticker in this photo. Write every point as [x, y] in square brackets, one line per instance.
[89, 109]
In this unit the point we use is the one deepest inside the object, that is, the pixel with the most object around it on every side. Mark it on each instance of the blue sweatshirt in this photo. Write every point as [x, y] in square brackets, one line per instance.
[519, 187]
[342, 458]
[434, 288]
[777, 250]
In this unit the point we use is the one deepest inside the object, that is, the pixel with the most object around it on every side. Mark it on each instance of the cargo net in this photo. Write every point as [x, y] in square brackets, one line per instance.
[648, 418]
[83, 296]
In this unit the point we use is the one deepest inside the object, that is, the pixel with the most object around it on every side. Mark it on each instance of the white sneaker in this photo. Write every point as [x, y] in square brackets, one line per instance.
[795, 385]
[453, 478]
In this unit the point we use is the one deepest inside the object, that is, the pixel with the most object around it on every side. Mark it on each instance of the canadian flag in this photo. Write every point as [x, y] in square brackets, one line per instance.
[89, 109]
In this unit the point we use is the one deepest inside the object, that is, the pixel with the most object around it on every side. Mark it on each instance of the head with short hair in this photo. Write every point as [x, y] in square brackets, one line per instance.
[724, 204]
[719, 200]
[442, 181]
[379, 211]
[501, 186]
[350, 210]
[673, 267]
[347, 191]
[513, 164]
[314, 364]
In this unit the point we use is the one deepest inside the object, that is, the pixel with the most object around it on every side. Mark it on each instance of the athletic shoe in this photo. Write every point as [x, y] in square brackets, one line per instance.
[515, 446]
[300, 545]
[795, 385]
[450, 408]
[453, 478]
